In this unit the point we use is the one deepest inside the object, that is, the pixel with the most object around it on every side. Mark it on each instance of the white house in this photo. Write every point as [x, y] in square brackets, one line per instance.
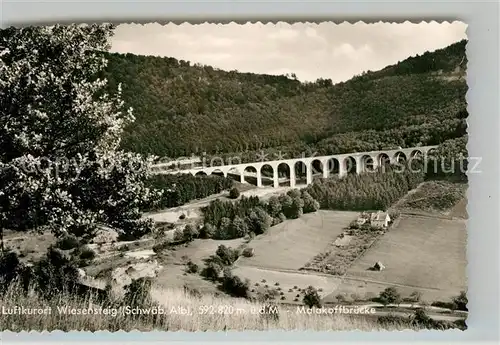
[380, 219]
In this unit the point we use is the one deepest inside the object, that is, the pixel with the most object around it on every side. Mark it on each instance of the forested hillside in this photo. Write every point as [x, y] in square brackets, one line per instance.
[183, 109]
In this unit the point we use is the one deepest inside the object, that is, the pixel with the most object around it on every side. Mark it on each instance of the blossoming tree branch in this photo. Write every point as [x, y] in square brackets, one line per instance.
[61, 166]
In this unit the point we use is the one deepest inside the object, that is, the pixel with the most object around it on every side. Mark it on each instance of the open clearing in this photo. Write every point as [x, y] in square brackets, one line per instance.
[420, 253]
[291, 244]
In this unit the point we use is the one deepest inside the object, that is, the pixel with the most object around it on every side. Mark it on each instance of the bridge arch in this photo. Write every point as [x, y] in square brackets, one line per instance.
[301, 171]
[367, 163]
[318, 169]
[284, 174]
[350, 165]
[383, 159]
[200, 173]
[416, 154]
[218, 172]
[267, 175]
[400, 157]
[250, 175]
[333, 166]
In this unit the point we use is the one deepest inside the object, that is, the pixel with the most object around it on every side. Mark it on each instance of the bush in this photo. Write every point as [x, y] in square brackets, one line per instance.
[207, 231]
[178, 235]
[390, 296]
[340, 298]
[87, 254]
[67, 242]
[189, 232]
[311, 298]
[54, 274]
[227, 255]
[182, 216]
[310, 205]
[160, 247]
[234, 286]
[10, 268]
[234, 193]
[192, 267]
[212, 271]
[137, 293]
[461, 301]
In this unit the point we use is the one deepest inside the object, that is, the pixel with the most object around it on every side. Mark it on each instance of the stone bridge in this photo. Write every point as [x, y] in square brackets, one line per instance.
[306, 167]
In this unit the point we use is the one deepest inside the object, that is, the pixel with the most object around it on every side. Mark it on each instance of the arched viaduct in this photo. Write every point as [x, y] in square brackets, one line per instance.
[324, 166]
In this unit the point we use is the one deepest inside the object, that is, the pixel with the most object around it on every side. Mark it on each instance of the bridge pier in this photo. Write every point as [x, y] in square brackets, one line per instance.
[276, 182]
[359, 165]
[309, 178]
[292, 176]
[259, 178]
[242, 176]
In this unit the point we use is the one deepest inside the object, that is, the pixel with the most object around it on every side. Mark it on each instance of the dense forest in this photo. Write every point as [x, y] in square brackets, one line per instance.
[183, 109]
[182, 188]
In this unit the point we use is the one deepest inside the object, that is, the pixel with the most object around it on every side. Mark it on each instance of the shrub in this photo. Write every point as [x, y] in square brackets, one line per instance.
[461, 301]
[212, 271]
[182, 216]
[54, 274]
[68, 242]
[207, 231]
[192, 267]
[178, 235]
[234, 193]
[227, 255]
[390, 296]
[10, 267]
[124, 248]
[160, 247]
[310, 205]
[87, 254]
[311, 298]
[340, 298]
[189, 232]
[234, 286]
[415, 296]
[137, 293]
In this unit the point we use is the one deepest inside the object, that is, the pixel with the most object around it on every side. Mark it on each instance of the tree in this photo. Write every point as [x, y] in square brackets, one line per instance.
[189, 232]
[274, 206]
[239, 227]
[259, 221]
[227, 255]
[310, 205]
[461, 301]
[311, 298]
[60, 162]
[390, 296]
[234, 193]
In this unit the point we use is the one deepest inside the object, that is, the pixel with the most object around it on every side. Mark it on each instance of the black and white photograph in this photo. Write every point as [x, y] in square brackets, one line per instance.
[234, 177]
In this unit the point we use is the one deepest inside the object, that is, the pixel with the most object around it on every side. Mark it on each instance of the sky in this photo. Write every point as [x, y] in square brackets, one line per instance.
[311, 51]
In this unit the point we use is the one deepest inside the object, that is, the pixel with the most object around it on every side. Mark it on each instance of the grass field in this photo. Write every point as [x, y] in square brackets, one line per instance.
[291, 244]
[421, 253]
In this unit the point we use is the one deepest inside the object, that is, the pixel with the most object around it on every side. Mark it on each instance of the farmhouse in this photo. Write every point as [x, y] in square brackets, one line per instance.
[380, 219]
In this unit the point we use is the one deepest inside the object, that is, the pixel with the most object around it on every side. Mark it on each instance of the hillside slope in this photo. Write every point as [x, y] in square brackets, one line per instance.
[183, 108]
